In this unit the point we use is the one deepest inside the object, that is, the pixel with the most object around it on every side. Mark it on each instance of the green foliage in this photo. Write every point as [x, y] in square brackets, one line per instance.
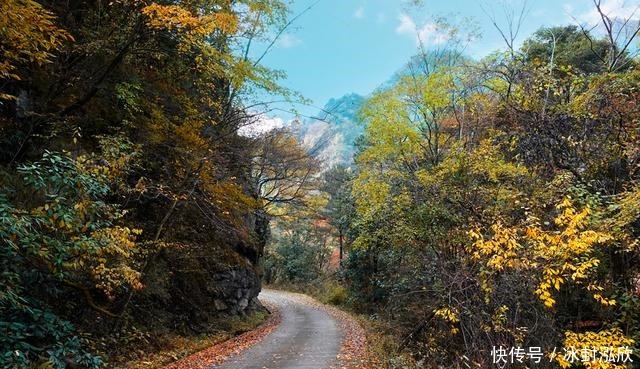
[340, 209]
[336, 295]
[498, 207]
[63, 234]
[491, 202]
[569, 46]
[124, 183]
[298, 252]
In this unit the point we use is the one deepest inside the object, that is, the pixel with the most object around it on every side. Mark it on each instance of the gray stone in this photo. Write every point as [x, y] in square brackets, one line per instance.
[236, 290]
[220, 305]
[242, 304]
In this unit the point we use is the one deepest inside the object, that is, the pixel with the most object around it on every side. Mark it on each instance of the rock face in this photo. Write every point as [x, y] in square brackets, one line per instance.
[216, 273]
[237, 287]
[236, 291]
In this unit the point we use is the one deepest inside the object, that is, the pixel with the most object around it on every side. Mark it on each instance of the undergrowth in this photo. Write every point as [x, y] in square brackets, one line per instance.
[168, 347]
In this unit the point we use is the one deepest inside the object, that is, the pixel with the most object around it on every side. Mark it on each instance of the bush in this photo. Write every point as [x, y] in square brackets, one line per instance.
[336, 294]
[57, 233]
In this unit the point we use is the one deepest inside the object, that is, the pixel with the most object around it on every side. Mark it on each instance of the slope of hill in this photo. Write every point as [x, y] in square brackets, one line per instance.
[331, 135]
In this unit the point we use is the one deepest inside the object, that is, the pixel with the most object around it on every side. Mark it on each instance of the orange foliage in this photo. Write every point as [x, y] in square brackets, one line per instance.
[179, 18]
[28, 34]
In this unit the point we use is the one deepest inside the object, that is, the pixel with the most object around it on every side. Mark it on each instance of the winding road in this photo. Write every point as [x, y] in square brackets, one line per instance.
[307, 338]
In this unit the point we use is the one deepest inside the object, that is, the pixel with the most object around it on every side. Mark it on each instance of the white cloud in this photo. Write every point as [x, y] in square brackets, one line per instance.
[407, 25]
[287, 41]
[428, 33]
[614, 9]
[359, 13]
[263, 124]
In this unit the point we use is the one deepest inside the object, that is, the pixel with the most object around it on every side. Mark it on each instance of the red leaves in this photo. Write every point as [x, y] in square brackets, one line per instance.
[353, 354]
[218, 353]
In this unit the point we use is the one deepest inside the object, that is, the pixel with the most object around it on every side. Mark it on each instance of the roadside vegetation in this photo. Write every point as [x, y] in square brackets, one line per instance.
[164, 348]
[133, 215]
[491, 202]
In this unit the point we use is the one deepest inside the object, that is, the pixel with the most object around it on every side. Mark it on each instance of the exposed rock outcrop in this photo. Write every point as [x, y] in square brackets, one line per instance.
[236, 291]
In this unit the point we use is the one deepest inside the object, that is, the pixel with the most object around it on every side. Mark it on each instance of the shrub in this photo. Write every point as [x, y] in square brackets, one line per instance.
[336, 294]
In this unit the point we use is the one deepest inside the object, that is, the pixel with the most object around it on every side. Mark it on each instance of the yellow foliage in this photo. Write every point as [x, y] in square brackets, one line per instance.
[111, 265]
[190, 134]
[449, 315]
[228, 196]
[628, 212]
[485, 163]
[595, 350]
[29, 35]
[392, 136]
[566, 254]
[370, 192]
[192, 28]
[179, 18]
[559, 256]
[501, 251]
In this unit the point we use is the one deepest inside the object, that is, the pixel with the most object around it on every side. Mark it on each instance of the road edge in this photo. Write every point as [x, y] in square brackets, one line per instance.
[222, 351]
[353, 352]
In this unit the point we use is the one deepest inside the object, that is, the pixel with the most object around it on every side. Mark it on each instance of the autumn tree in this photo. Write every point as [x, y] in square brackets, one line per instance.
[283, 170]
[517, 232]
[116, 225]
[340, 208]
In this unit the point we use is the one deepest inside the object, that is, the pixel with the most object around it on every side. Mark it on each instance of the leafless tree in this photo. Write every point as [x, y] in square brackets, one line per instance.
[283, 170]
[620, 32]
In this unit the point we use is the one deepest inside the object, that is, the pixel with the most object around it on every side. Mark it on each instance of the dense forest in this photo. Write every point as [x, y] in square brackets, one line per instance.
[489, 202]
[129, 204]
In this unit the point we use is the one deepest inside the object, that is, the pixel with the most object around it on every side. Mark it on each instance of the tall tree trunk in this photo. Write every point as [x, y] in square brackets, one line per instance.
[340, 237]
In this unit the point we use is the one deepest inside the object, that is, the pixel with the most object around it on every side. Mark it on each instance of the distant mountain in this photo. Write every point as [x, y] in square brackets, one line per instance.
[332, 134]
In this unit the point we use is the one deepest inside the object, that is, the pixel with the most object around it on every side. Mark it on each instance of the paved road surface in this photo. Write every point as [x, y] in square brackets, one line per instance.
[307, 338]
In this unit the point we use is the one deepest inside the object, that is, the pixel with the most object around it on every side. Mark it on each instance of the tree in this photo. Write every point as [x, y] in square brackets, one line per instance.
[299, 247]
[282, 169]
[110, 225]
[62, 235]
[340, 208]
[493, 203]
[30, 36]
[566, 46]
[620, 33]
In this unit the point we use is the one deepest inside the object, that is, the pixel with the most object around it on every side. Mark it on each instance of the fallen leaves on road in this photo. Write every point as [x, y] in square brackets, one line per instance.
[218, 353]
[353, 354]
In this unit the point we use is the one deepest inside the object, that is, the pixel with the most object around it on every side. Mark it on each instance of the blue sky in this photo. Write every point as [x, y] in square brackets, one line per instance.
[343, 46]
